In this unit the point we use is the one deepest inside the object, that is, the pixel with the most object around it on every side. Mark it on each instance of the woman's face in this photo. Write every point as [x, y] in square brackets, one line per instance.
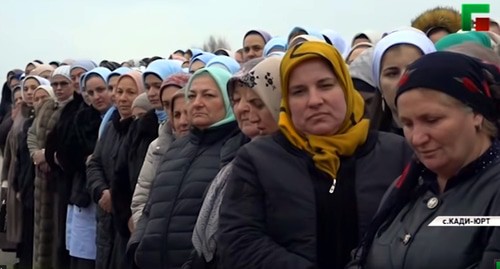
[392, 67]
[253, 116]
[126, 93]
[316, 99]
[63, 88]
[40, 97]
[253, 47]
[180, 117]
[166, 96]
[206, 106]
[29, 88]
[75, 75]
[18, 98]
[441, 131]
[113, 82]
[98, 93]
[13, 82]
[153, 84]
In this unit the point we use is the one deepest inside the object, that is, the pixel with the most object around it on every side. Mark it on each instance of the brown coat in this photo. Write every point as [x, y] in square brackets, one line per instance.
[45, 219]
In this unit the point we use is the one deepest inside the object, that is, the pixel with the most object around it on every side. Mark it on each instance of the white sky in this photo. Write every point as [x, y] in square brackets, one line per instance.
[123, 29]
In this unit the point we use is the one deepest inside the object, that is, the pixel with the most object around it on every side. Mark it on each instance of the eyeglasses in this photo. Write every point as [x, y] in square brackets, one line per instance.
[57, 84]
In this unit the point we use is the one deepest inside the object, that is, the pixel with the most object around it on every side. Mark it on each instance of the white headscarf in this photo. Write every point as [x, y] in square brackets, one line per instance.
[407, 36]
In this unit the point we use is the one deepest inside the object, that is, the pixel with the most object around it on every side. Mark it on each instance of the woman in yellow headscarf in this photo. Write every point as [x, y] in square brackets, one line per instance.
[302, 197]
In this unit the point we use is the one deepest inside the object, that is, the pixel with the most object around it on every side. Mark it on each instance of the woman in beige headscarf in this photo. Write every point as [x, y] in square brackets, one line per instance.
[43, 70]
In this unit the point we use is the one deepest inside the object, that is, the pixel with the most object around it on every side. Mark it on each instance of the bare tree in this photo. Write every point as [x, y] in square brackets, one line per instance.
[213, 43]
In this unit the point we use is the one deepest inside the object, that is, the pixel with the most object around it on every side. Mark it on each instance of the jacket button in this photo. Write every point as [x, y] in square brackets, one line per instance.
[432, 203]
[406, 239]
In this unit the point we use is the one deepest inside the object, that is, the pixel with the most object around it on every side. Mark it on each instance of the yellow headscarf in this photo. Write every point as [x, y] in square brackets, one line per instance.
[325, 150]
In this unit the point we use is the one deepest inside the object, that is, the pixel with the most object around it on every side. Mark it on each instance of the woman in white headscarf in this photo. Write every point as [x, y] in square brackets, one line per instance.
[392, 54]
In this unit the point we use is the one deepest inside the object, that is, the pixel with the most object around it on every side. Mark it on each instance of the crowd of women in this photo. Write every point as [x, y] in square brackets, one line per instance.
[302, 151]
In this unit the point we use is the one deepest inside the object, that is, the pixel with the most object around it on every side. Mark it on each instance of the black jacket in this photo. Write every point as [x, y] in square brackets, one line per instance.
[129, 163]
[101, 176]
[163, 235]
[277, 211]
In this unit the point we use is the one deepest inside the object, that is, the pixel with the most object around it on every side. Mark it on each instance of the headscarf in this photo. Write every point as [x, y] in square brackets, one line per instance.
[225, 52]
[459, 38]
[118, 72]
[162, 69]
[373, 36]
[204, 57]
[276, 43]
[265, 35]
[359, 45]
[48, 89]
[335, 39]
[410, 37]
[307, 31]
[67, 62]
[221, 78]
[42, 68]
[301, 38]
[62, 71]
[225, 62]
[142, 101]
[353, 132]
[178, 80]
[137, 77]
[40, 80]
[264, 79]
[102, 72]
[361, 67]
[86, 65]
[457, 75]
[195, 52]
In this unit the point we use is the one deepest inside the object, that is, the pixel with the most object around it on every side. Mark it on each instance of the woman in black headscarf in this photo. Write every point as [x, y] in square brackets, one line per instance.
[448, 106]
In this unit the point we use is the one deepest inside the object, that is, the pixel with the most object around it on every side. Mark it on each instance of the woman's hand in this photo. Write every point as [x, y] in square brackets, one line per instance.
[39, 157]
[105, 201]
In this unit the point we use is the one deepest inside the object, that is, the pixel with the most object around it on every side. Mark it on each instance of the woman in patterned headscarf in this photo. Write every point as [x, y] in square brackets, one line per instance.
[448, 106]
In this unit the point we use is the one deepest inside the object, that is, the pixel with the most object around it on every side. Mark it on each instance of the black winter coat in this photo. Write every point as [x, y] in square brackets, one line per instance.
[278, 212]
[163, 235]
[101, 176]
[130, 159]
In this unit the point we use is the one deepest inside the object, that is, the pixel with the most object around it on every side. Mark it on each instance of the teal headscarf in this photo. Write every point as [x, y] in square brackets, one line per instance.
[458, 38]
[221, 78]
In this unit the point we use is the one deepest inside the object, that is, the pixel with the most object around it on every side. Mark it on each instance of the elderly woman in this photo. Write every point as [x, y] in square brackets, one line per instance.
[158, 147]
[449, 118]
[306, 203]
[163, 235]
[255, 95]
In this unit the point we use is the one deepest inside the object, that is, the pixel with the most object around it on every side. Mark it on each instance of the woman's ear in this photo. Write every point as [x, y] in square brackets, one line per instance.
[478, 121]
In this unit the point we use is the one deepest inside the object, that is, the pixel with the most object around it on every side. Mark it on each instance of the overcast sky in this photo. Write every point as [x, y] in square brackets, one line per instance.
[123, 29]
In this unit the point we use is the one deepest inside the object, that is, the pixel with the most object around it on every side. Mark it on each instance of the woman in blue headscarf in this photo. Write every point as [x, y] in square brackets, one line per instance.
[112, 82]
[225, 62]
[276, 44]
[199, 61]
[186, 170]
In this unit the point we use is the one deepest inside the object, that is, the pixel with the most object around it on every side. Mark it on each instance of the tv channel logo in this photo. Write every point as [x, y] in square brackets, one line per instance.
[480, 24]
